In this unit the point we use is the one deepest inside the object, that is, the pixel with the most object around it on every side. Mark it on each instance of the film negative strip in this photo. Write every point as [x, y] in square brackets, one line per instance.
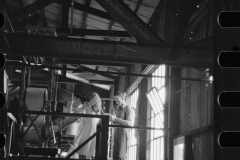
[227, 80]
[2, 61]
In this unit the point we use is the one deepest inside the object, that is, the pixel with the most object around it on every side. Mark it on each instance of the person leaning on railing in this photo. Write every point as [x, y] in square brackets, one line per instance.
[124, 116]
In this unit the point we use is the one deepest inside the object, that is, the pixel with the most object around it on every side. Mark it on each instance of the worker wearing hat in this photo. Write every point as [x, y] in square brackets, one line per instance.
[124, 116]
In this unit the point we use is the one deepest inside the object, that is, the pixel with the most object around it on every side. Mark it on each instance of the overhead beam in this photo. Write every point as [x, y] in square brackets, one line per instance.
[204, 43]
[46, 80]
[91, 70]
[104, 51]
[102, 82]
[90, 10]
[130, 21]
[29, 9]
[125, 74]
[92, 32]
[71, 61]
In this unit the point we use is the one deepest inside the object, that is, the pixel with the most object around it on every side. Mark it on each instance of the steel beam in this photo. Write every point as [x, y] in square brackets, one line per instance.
[56, 114]
[29, 9]
[102, 82]
[46, 80]
[69, 61]
[92, 32]
[90, 10]
[204, 43]
[104, 51]
[130, 21]
[95, 71]
[125, 74]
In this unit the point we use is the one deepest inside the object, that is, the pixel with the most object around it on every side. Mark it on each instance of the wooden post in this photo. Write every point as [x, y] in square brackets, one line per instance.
[104, 138]
[20, 107]
[143, 120]
[173, 111]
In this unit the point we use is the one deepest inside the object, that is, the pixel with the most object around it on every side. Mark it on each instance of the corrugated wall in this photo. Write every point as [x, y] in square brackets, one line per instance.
[203, 146]
[195, 102]
[196, 112]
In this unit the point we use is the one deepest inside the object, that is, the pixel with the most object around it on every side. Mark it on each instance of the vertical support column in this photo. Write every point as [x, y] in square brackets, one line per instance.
[22, 86]
[104, 138]
[173, 109]
[166, 115]
[65, 14]
[28, 77]
[188, 153]
[21, 106]
[143, 119]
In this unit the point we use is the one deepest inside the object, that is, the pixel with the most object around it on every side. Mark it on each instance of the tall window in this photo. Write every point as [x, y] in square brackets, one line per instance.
[157, 117]
[132, 146]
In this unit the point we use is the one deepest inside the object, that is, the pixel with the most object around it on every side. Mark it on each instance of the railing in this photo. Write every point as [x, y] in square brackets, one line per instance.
[103, 131]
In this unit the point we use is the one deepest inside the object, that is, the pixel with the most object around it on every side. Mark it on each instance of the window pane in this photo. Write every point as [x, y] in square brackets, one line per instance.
[132, 139]
[152, 103]
[162, 93]
[159, 148]
[155, 149]
[162, 149]
[157, 103]
[156, 106]
[151, 151]
[158, 99]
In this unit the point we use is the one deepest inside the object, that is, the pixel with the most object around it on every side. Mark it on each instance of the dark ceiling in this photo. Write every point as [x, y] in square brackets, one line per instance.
[98, 39]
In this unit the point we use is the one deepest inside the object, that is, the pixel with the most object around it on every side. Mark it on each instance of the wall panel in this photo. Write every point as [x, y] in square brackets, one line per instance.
[195, 102]
[203, 146]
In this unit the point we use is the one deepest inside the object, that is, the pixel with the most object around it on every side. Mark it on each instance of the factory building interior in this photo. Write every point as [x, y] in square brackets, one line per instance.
[159, 53]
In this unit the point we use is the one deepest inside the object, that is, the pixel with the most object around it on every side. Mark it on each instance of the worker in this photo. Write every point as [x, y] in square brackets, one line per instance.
[88, 128]
[124, 116]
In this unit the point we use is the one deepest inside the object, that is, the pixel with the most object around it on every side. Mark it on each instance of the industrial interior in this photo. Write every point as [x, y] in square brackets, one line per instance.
[158, 52]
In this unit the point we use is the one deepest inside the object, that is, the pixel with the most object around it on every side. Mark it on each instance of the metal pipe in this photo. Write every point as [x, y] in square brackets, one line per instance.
[56, 114]
[54, 138]
[28, 77]
[137, 127]
[121, 73]
[191, 83]
[9, 20]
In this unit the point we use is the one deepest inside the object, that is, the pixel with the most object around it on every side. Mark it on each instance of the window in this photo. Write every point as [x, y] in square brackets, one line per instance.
[132, 146]
[178, 150]
[157, 115]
